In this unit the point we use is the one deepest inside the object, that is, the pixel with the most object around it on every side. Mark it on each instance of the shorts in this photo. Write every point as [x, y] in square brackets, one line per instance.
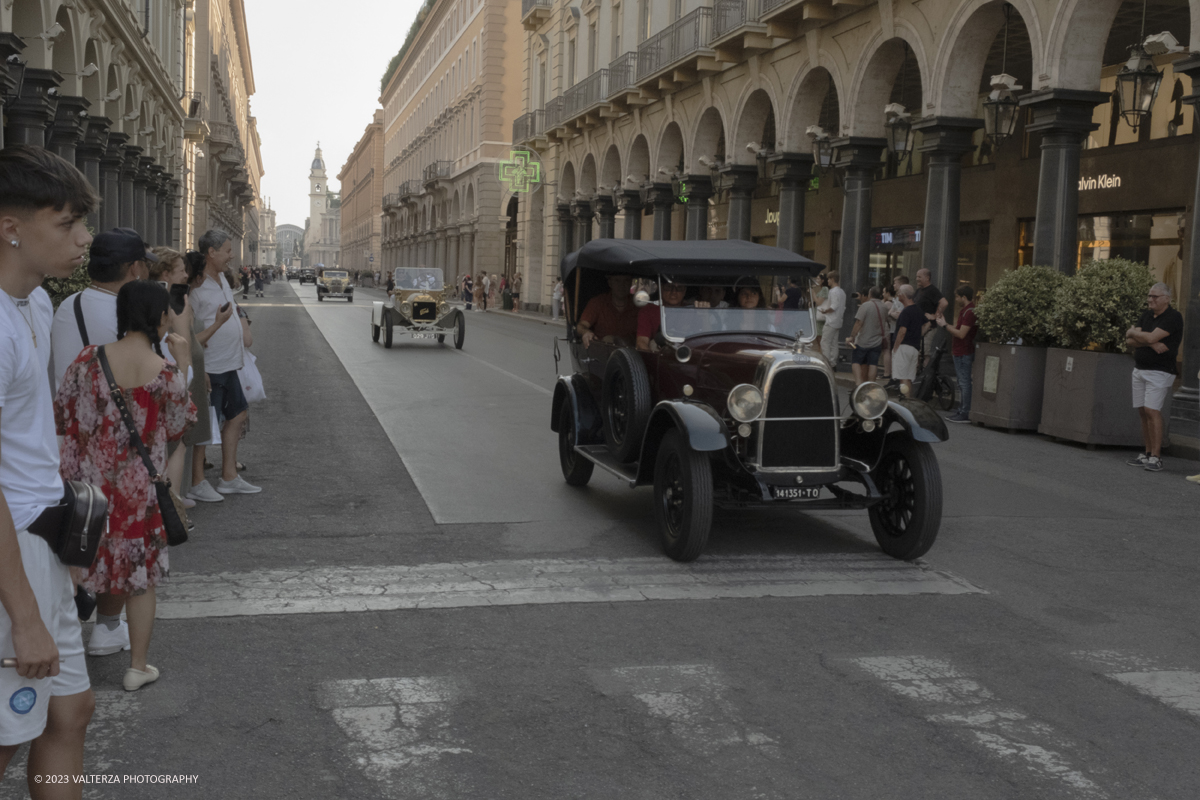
[227, 396]
[24, 703]
[904, 363]
[1150, 388]
[867, 355]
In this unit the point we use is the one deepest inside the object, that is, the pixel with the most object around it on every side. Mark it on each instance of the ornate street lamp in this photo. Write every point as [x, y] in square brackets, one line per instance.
[1138, 81]
[822, 147]
[1000, 110]
[898, 123]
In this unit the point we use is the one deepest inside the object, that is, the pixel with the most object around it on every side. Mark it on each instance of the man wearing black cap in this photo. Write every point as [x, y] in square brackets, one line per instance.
[90, 317]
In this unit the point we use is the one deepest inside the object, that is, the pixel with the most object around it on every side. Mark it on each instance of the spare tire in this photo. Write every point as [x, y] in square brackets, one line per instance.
[625, 403]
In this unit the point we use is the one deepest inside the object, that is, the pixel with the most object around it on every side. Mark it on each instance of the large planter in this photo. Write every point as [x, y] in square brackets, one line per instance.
[1088, 399]
[1006, 386]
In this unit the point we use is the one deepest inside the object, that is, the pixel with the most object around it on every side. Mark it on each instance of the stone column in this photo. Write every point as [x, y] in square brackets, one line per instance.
[582, 212]
[858, 157]
[632, 205]
[794, 172]
[662, 197]
[30, 114]
[129, 172]
[1188, 396]
[699, 189]
[946, 140]
[439, 251]
[467, 235]
[10, 45]
[88, 156]
[70, 123]
[741, 180]
[1064, 118]
[173, 238]
[451, 270]
[111, 166]
[566, 228]
[145, 184]
[606, 210]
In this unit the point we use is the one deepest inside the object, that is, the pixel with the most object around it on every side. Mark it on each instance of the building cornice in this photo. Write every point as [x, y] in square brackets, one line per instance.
[238, 9]
[123, 22]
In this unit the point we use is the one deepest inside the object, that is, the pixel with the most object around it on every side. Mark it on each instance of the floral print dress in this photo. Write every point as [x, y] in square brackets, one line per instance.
[96, 449]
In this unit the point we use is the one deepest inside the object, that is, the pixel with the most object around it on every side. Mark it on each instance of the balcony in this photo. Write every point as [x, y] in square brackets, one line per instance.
[553, 114]
[528, 127]
[391, 201]
[534, 13]
[680, 48]
[732, 15]
[436, 172]
[784, 18]
[586, 95]
[408, 190]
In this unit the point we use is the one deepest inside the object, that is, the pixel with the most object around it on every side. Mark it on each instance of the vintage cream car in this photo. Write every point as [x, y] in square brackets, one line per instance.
[418, 309]
[335, 283]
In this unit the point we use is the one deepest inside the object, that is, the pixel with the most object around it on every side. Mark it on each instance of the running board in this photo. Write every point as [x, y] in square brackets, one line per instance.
[599, 455]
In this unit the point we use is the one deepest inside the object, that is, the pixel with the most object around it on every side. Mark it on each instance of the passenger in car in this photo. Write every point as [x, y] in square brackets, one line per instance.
[650, 318]
[712, 297]
[750, 296]
[611, 317]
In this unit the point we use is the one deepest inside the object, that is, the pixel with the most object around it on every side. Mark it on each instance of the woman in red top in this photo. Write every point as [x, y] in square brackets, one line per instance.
[132, 559]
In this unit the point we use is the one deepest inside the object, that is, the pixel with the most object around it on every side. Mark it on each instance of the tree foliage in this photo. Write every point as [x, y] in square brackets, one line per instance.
[1020, 305]
[1095, 306]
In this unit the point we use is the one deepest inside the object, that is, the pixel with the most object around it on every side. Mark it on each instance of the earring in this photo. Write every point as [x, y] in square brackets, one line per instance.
[15, 243]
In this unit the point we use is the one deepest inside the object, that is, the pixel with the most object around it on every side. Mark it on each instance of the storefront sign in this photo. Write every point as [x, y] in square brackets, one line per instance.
[772, 217]
[1100, 182]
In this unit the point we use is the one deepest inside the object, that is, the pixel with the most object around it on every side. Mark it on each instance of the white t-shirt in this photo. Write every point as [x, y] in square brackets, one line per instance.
[837, 308]
[99, 316]
[28, 445]
[223, 353]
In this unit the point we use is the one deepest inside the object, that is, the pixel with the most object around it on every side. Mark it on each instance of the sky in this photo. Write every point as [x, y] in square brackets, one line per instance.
[317, 65]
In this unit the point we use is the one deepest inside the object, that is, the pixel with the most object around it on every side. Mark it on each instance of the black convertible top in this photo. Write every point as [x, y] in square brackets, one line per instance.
[648, 259]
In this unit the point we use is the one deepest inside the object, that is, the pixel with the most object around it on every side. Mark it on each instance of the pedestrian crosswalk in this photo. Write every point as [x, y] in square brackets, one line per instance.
[1177, 688]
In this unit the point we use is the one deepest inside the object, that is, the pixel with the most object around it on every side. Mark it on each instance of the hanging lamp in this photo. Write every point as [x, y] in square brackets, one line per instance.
[1138, 81]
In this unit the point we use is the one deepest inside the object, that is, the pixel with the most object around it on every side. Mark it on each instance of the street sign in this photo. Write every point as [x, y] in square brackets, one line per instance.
[371, 259]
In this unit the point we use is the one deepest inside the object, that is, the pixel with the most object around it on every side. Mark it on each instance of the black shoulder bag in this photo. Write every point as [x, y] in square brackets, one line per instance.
[79, 319]
[174, 516]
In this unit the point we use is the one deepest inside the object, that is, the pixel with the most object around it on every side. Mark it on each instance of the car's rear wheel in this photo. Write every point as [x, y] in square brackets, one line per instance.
[441, 338]
[374, 333]
[907, 519]
[460, 332]
[320, 297]
[625, 403]
[683, 499]
[387, 331]
[350, 298]
[576, 469]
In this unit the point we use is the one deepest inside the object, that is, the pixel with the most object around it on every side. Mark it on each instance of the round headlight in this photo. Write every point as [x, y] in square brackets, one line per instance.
[443, 308]
[406, 309]
[870, 400]
[745, 403]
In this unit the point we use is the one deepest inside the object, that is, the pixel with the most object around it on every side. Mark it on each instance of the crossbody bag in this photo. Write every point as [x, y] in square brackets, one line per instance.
[174, 515]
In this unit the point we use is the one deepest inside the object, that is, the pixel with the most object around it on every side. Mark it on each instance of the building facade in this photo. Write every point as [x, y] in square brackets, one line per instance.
[702, 119]
[323, 228]
[268, 247]
[448, 110]
[99, 84]
[361, 181]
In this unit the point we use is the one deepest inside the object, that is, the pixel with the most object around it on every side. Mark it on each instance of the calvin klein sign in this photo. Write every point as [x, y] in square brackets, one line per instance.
[1100, 182]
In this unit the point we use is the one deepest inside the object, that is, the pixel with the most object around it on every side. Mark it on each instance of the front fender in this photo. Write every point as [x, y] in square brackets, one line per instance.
[704, 430]
[921, 421]
[573, 389]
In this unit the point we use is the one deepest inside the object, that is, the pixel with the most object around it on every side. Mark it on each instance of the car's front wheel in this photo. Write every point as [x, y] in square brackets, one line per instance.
[460, 332]
[387, 331]
[374, 333]
[683, 497]
[907, 519]
[576, 469]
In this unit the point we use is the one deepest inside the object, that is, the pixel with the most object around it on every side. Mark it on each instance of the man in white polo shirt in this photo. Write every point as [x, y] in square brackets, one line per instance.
[46, 698]
[212, 302]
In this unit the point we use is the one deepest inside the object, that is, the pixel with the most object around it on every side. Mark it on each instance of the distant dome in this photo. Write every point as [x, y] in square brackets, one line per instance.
[318, 164]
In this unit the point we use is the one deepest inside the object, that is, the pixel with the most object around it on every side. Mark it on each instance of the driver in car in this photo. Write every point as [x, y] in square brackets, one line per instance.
[611, 317]
[649, 318]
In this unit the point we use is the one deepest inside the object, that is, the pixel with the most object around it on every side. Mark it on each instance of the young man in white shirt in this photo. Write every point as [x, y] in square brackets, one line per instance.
[116, 258]
[212, 303]
[834, 310]
[47, 698]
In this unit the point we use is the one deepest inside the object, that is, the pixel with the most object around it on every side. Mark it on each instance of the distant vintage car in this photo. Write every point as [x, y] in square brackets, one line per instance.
[335, 283]
[308, 275]
[417, 309]
[732, 406]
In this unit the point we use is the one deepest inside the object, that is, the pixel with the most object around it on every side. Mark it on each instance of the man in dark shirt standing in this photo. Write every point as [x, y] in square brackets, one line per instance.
[1155, 343]
[908, 338]
[933, 304]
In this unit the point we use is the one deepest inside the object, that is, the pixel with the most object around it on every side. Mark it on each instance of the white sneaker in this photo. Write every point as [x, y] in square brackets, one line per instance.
[238, 485]
[105, 642]
[205, 493]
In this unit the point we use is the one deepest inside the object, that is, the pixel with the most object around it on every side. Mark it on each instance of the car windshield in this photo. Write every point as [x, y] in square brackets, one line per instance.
[329, 274]
[762, 304]
[423, 278]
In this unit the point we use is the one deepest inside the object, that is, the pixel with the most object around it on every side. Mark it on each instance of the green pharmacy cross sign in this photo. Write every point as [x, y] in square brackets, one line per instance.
[520, 173]
[683, 192]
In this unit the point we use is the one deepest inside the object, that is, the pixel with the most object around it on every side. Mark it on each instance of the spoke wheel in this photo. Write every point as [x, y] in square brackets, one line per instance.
[374, 333]
[683, 499]
[460, 333]
[387, 331]
[907, 519]
[943, 393]
[576, 469]
[625, 403]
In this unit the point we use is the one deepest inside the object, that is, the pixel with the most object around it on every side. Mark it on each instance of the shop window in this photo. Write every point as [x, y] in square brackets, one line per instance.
[894, 251]
[973, 253]
[1154, 239]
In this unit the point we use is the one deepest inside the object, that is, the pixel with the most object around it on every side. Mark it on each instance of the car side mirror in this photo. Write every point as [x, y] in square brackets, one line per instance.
[641, 299]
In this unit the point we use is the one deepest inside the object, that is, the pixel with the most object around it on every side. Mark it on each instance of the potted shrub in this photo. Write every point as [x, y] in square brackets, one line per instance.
[1088, 375]
[1015, 317]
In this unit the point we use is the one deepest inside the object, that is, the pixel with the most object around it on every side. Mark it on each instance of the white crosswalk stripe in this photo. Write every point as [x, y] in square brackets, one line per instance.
[544, 581]
[956, 699]
[1177, 688]
[398, 732]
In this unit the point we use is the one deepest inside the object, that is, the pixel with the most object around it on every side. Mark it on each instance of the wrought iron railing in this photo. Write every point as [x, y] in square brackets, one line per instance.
[408, 189]
[530, 5]
[554, 113]
[438, 169]
[729, 15]
[622, 73]
[769, 5]
[588, 92]
[526, 126]
[391, 200]
[681, 38]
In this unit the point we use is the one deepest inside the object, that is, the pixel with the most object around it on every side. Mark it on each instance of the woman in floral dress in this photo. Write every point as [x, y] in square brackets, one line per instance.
[132, 558]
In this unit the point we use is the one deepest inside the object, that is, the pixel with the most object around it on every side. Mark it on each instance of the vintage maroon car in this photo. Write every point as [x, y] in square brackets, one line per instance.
[734, 406]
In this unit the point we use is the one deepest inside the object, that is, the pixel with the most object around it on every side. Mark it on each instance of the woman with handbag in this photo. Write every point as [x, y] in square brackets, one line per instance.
[116, 409]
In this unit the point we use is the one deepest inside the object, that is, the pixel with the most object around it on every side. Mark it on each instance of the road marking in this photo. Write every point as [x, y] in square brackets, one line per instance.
[490, 365]
[958, 700]
[1177, 688]
[691, 699]
[332, 590]
[398, 732]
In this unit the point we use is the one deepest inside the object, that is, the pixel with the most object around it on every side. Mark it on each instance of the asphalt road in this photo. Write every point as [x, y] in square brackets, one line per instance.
[417, 607]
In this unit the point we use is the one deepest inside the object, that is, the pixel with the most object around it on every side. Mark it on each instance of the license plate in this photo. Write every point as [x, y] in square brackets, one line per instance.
[423, 335]
[796, 492]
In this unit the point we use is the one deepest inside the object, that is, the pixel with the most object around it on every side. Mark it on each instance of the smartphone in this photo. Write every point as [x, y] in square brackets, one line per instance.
[179, 292]
[224, 308]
